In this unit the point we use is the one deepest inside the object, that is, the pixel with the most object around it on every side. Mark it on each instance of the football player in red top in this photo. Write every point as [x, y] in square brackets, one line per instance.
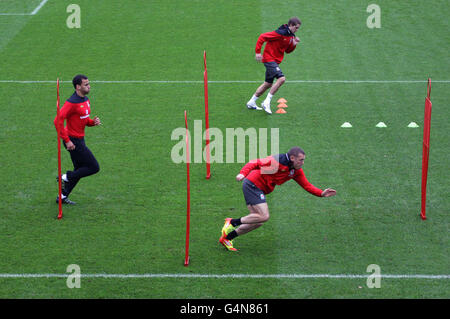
[76, 112]
[278, 42]
[260, 178]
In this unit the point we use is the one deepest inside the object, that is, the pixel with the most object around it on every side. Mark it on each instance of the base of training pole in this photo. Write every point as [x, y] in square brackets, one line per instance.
[186, 262]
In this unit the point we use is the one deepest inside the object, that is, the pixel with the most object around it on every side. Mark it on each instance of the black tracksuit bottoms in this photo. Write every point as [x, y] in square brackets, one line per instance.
[84, 164]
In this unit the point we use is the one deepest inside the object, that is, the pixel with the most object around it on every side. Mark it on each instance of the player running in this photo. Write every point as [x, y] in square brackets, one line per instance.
[278, 42]
[260, 178]
[76, 111]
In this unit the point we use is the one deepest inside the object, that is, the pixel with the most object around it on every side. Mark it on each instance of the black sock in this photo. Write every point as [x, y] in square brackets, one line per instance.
[232, 235]
[236, 222]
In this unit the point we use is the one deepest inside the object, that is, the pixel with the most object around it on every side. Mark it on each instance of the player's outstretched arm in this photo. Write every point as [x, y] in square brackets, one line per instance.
[328, 192]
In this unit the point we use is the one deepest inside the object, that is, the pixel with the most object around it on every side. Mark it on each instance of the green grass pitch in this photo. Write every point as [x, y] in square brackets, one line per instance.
[131, 217]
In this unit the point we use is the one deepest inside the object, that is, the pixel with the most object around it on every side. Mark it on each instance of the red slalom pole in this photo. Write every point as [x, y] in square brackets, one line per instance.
[426, 150]
[188, 206]
[60, 213]
[208, 155]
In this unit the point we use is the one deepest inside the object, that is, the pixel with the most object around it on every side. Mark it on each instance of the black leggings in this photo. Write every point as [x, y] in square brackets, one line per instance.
[84, 164]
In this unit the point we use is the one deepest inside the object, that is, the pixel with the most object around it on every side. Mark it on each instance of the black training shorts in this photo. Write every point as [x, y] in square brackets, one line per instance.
[272, 71]
[252, 194]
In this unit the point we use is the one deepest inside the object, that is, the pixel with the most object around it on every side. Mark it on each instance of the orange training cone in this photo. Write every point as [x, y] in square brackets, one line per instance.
[280, 111]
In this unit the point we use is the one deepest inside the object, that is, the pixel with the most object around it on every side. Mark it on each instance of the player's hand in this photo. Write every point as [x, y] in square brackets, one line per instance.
[97, 121]
[258, 57]
[328, 192]
[240, 177]
[296, 40]
[70, 146]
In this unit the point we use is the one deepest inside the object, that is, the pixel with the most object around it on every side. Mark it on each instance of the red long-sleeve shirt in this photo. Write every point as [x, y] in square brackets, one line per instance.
[278, 42]
[275, 170]
[75, 111]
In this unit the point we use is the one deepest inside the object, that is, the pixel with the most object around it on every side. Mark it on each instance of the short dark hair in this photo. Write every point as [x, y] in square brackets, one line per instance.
[78, 80]
[296, 151]
[294, 21]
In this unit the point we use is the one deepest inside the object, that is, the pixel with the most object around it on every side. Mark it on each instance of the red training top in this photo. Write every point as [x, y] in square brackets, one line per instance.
[275, 170]
[75, 111]
[278, 42]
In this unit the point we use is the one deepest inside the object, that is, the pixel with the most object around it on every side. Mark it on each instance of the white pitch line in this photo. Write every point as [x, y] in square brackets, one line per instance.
[225, 82]
[366, 81]
[36, 10]
[227, 276]
[15, 14]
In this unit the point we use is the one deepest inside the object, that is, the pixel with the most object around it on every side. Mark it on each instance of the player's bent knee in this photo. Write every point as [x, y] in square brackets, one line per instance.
[264, 217]
[95, 168]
